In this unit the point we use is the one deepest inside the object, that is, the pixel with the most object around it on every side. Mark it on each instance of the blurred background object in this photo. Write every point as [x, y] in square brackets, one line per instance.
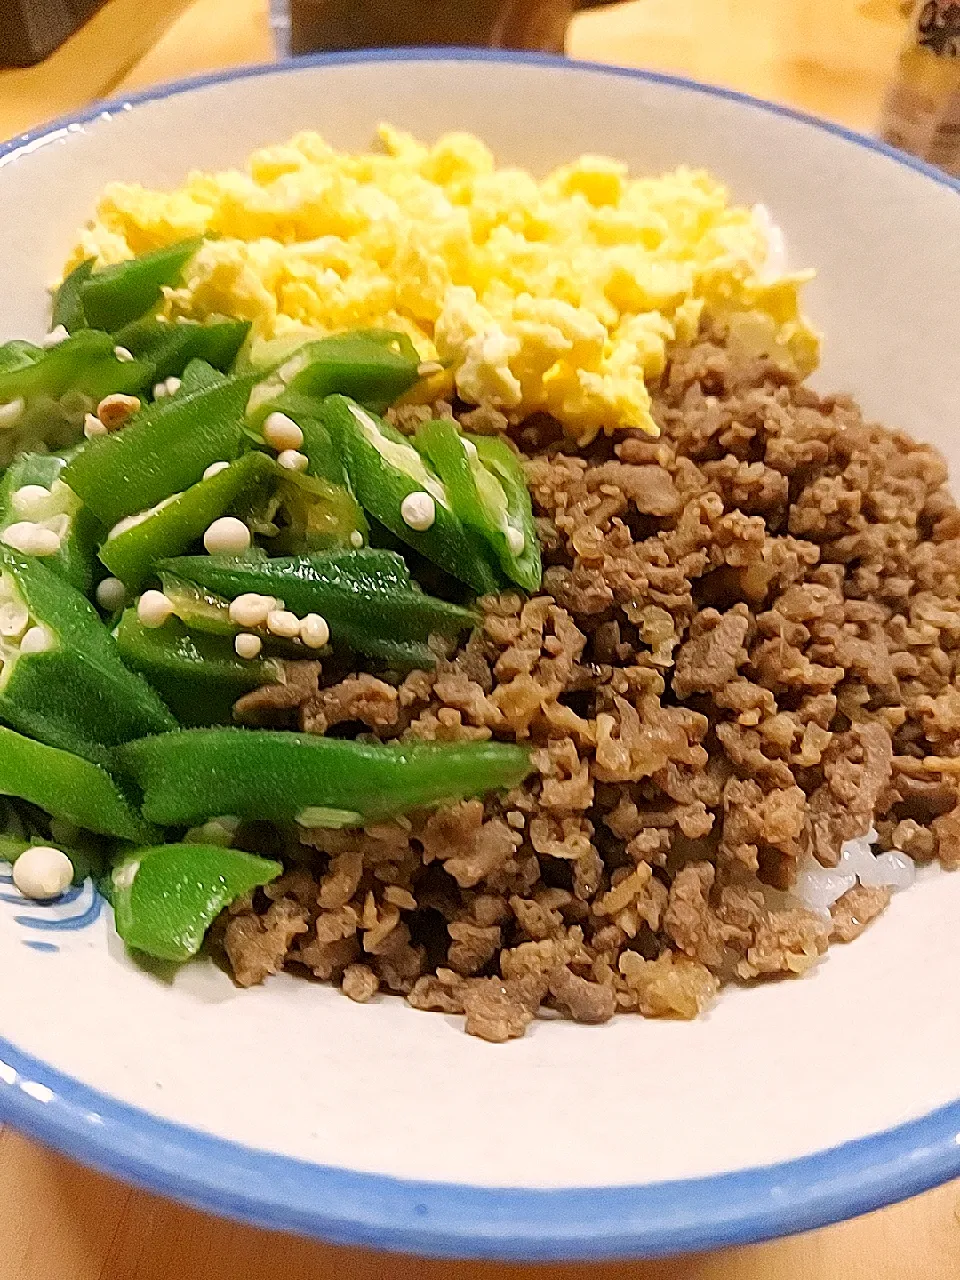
[307, 26]
[362, 24]
[831, 57]
[30, 29]
[921, 111]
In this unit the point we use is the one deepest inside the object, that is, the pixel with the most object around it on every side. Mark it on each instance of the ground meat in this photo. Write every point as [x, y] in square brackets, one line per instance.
[257, 945]
[854, 911]
[785, 942]
[362, 698]
[709, 659]
[359, 982]
[746, 649]
[277, 705]
[584, 1001]
[496, 1010]
[671, 986]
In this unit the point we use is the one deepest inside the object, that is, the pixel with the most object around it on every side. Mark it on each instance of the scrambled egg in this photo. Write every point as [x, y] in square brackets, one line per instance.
[559, 295]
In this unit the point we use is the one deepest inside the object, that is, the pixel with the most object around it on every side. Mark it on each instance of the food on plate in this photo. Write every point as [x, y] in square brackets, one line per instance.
[560, 295]
[443, 583]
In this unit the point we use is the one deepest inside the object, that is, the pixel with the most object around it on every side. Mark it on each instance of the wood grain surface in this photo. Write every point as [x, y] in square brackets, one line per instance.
[60, 1222]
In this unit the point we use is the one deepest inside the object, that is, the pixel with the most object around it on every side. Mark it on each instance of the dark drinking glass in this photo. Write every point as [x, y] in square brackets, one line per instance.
[492, 24]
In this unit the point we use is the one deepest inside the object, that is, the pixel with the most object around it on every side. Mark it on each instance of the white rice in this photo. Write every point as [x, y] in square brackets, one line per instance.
[817, 888]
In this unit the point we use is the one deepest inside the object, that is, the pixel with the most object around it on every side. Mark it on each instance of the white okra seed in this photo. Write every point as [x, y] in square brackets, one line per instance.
[515, 541]
[314, 631]
[42, 872]
[92, 426]
[282, 432]
[38, 639]
[250, 610]
[154, 608]
[247, 645]
[30, 500]
[418, 510]
[14, 619]
[227, 536]
[280, 622]
[292, 460]
[31, 539]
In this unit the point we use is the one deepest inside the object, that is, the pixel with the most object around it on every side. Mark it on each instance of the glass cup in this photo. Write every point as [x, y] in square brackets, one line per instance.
[494, 24]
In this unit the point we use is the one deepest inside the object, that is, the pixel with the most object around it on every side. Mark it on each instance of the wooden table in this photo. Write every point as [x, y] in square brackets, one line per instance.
[59, 1222]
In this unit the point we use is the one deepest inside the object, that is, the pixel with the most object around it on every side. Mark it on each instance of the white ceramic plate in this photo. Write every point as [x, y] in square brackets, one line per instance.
[788, 1106]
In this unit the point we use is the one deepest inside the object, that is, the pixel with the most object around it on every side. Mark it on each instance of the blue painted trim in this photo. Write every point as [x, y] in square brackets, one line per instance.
[40, 946]
[446, 1219]
[64, 899]
[65, 924]
[450, 1220]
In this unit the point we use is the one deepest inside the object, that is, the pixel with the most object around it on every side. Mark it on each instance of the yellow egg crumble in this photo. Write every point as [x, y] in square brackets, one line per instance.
[560, 295]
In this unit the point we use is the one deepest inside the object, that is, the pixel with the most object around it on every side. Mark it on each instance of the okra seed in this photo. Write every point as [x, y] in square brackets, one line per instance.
[28, 498]
[154, 608]
[218, 831]
[128, 522]
[227, 536]
[282, 432]
[93, 427]
[418, 511]
[56, 335]
[250, 610]
[168, 387]
[114, 410]
[37, 639]
[123, 355]
[111, 595]
[10, 413]
[42, 872]
[14, 619]
[247, 646]
[31, 539]
[515, 541]
[356, 538]
[292, 460]
[314, 631]
[280, 622]
[214, 469]
[428, 367]
[469, 448]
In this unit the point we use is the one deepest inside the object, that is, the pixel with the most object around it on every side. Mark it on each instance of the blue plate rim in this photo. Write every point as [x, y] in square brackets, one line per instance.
[449, 1219]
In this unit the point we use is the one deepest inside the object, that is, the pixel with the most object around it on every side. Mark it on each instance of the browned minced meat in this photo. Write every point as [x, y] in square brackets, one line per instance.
[746, 649]
[854, 911]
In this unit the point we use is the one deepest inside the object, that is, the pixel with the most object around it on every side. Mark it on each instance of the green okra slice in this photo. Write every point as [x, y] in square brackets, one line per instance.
[62, 680]
[275, 776]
